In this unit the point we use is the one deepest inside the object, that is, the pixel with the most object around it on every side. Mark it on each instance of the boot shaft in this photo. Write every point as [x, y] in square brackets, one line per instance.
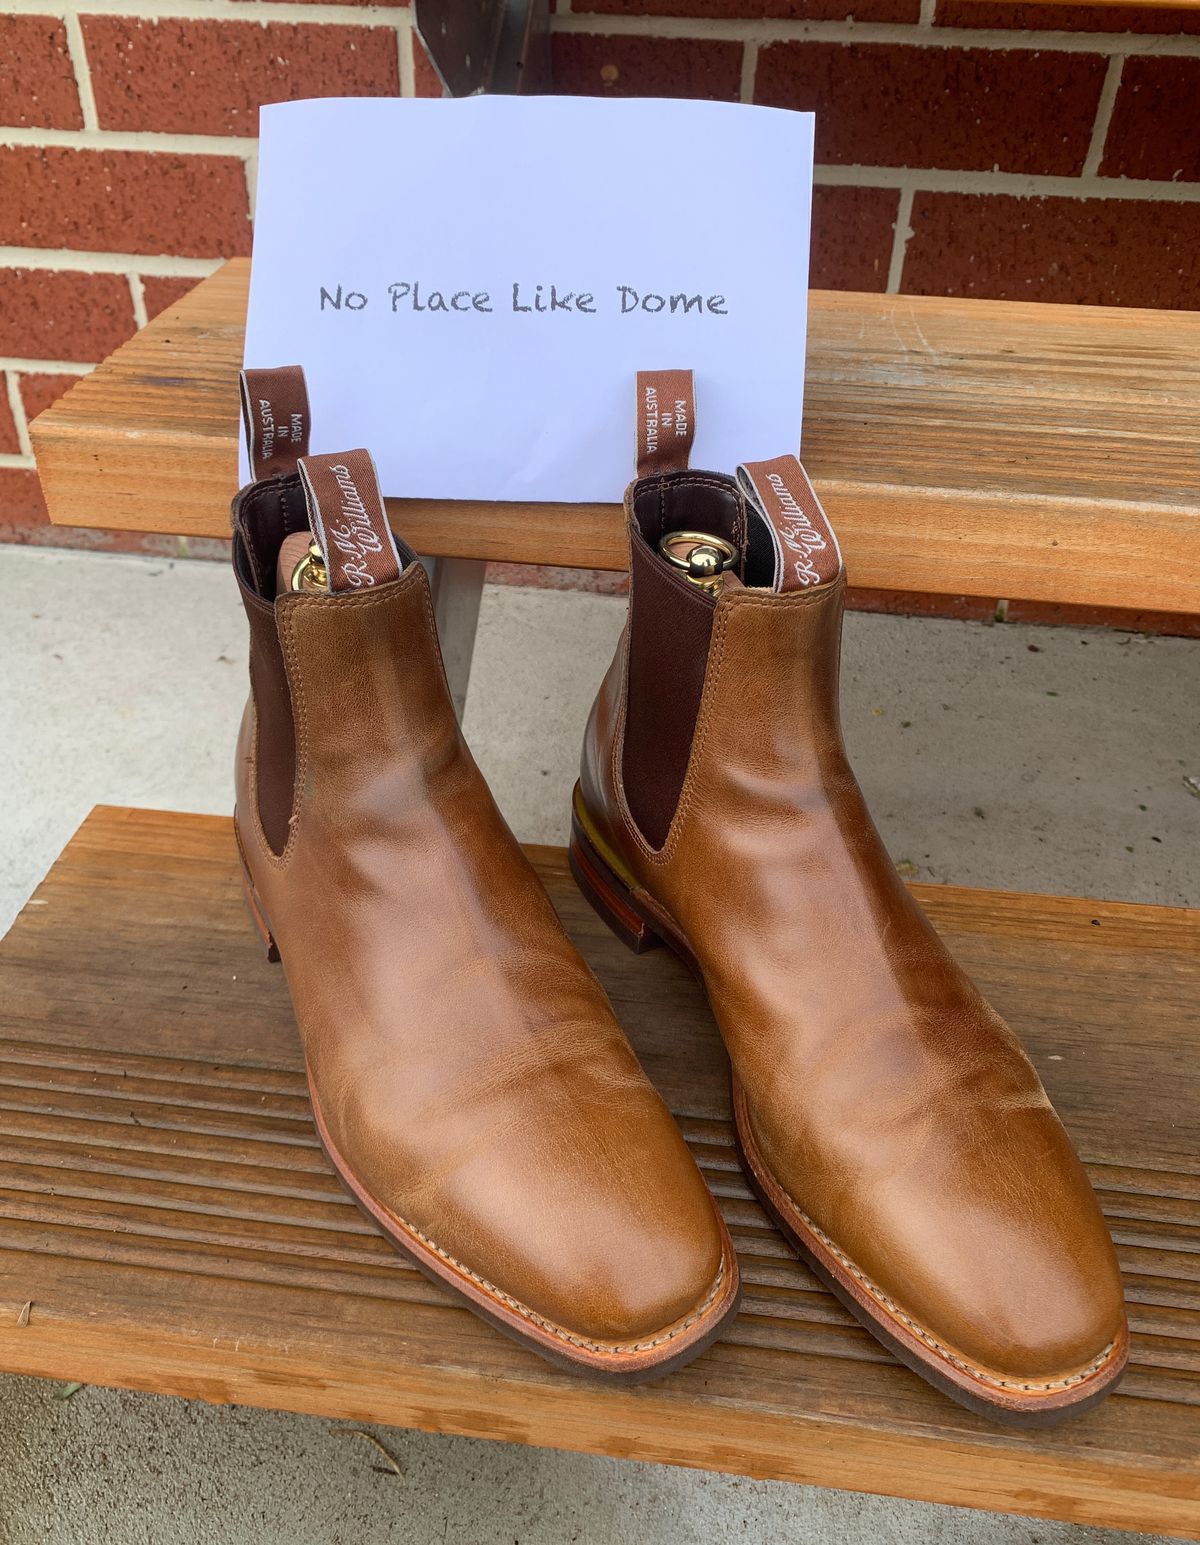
[777, 603]
[346, 673]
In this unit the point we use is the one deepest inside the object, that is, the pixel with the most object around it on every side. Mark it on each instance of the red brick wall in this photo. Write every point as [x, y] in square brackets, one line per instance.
[965, 147]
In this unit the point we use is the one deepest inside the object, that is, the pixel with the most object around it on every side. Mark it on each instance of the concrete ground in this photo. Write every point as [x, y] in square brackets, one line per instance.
[1008, 756]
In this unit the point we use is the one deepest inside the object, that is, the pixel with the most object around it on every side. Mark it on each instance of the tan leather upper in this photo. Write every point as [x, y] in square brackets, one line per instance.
[468, 1066]
[894, 1107]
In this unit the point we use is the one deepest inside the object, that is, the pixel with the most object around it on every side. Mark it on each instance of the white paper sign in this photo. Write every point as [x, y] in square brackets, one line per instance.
[472, 285]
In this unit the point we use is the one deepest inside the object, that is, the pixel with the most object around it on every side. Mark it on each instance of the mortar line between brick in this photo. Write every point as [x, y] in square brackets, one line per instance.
[17, 407]
[251, 174]
[749, 70]
[77, 50]
[1104, 112]
[19, 460]
[404, 57]
[1017, 184]
[928, 13]
[53, 259]
[236, 146]
[765, 33]
[219, 10]
[137, 294]
[40, 367]
[900, 235]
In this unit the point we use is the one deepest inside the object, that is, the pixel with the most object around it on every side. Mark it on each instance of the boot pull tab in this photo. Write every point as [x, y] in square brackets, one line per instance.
[349, 523]
[666, 420]
[276, 419]
[804, 546]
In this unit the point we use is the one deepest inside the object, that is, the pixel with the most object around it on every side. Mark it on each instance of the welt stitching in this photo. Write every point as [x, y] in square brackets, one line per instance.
[549, 1325]
[919, 1330]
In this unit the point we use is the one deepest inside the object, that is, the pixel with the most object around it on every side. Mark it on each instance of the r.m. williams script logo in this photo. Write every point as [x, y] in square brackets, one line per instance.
[797, 532]
[355, 538]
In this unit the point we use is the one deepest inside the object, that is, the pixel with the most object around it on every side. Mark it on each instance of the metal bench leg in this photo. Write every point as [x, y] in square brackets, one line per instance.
[457, 584]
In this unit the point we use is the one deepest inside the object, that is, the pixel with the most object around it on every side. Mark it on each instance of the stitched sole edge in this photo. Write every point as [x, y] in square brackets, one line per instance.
[614, 1362]
[1010, 1402]
[1007, 1402]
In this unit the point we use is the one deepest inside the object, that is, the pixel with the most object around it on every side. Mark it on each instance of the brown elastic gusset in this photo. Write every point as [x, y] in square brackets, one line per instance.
[263, 514]
[670, 624]
[669, 629]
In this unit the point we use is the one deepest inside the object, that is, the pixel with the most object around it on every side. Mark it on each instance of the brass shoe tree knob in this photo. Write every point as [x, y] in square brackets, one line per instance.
[703, 558]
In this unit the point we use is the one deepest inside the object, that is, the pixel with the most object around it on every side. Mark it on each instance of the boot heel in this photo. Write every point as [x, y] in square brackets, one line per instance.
[257, 916]
[609, 895]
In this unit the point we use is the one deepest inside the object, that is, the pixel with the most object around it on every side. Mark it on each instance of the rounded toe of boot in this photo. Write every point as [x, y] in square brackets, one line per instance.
[997, 1282]
[625, 1265]
[595, 1242]
[1016, 1314]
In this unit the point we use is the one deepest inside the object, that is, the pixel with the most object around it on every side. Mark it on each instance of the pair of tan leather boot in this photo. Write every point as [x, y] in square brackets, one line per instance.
[469, 1080]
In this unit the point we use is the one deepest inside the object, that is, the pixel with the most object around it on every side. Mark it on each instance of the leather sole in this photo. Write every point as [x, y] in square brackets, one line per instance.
[632, 1362]
[636, 919]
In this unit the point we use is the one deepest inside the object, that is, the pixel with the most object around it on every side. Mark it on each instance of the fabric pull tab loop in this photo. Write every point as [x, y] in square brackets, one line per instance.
[666, 420]
[346, 513]
[806, 549]
[276, 419]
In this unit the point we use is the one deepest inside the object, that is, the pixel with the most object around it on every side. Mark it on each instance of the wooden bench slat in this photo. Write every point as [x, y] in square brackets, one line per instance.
[165, 1207]
[966, 447]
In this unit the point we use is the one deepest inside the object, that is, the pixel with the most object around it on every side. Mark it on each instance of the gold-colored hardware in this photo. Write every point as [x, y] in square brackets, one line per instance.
[310, 572]
[702, 557]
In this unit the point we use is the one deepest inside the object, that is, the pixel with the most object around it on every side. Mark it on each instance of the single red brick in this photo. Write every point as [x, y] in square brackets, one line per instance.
[852, 233]
[426, 80]
[123, 201]
[10, 441]
[38, 391]
[161, 293]
[957, 109]
[1099, 252]
[759, 10]
[586, 64]
[22, 507]
[210, 77]
[999, 14]
[1155, 128]
[37, 79]
[63, 314]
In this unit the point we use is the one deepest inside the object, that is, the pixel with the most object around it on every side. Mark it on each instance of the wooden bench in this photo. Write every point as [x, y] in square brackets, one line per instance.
[167, 1221]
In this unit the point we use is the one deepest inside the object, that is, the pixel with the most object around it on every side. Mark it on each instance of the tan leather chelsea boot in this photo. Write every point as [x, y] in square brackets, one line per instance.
[468, 1079]
[887, 1117]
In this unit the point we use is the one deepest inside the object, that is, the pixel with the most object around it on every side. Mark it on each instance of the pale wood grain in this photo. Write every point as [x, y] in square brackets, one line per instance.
[166, 1209]
[966, 447]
